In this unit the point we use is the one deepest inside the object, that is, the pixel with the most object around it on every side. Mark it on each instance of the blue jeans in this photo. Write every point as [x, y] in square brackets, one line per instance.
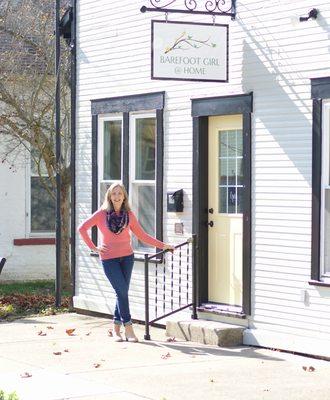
[119, 272]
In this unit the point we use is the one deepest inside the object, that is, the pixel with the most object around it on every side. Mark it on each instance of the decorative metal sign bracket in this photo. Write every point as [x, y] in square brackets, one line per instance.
[206, 7]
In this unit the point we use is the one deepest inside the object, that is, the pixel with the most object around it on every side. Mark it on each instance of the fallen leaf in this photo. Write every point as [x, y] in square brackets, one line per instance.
[96, 365]
[171, 339]
[211, 380]
[66, 350]
[41, 333]
[57, 353]
[70, 331]
[26, 375]
[308, 369]
[110, 333]
[88, 333]
[50, 327]
[165, 356]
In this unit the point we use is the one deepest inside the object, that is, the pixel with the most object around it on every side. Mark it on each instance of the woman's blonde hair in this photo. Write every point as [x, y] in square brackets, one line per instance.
[107, 203]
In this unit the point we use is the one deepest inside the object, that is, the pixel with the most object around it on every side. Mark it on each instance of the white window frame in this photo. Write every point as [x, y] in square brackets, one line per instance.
[28, 193]
[132, 134]
[100, 146]
[325, 180]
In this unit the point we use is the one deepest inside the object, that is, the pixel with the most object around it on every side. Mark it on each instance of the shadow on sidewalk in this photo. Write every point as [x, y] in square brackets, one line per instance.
[196, 349]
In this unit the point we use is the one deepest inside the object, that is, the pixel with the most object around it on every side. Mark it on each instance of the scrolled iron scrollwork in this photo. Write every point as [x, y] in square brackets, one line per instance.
[214, 7]
[156, 3]
[190, 4]
[220, 5]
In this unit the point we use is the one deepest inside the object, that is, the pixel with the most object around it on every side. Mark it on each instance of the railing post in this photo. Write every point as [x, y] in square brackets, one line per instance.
[194, 276]
[2, 264]
[146, 296]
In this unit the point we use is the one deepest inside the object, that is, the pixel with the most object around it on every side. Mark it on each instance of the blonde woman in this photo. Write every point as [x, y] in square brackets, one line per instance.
[114, 221]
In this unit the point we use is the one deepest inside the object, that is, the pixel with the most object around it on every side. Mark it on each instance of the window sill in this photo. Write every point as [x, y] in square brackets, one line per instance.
[34, 241]
[319, 283]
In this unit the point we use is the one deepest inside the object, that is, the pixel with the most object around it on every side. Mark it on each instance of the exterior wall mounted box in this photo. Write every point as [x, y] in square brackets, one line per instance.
[175, 201]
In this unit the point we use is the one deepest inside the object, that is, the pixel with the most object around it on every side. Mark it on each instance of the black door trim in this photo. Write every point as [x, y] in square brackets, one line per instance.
[201, 110]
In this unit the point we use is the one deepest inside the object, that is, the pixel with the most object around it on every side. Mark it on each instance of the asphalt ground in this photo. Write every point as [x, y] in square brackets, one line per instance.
[39, 360]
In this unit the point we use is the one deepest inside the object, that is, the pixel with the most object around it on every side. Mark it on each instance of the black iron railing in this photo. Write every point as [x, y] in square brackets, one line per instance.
[2, 264]
[170, 282]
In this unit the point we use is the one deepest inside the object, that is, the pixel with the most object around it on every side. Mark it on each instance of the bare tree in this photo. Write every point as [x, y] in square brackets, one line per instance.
[27, 99]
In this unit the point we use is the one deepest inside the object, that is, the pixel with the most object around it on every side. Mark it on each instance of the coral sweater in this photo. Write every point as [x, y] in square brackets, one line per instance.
[118, 245]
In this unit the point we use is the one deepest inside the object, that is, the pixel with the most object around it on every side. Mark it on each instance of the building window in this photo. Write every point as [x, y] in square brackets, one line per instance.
[42, 203]
[143, 173]
[325, 193]
[128, 148]
[320, 272]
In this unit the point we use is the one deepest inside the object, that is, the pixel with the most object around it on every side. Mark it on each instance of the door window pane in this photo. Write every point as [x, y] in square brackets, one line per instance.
[223, 200]
[230, 171]
[223, 171]
[145, 148]
[112, 150]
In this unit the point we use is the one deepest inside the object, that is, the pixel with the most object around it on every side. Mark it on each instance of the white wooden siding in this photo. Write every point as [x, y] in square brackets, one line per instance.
[272, 55]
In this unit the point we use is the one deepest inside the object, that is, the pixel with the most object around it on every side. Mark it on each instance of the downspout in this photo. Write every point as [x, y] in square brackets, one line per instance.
[73, 144]
[58, 154]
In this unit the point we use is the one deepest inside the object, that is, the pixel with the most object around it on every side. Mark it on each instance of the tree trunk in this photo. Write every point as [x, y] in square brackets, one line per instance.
[65, 239]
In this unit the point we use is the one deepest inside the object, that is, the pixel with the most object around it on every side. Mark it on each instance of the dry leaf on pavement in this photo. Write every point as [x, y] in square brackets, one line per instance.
[308, 369]
[41, 333]
[70, 331]
[57, 353]
[26, 375]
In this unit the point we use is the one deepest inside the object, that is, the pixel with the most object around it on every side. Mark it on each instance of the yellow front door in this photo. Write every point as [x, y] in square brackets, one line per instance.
[225, 219]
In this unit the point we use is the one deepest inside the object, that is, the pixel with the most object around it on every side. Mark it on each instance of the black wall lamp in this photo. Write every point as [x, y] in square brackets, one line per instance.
[312, 14]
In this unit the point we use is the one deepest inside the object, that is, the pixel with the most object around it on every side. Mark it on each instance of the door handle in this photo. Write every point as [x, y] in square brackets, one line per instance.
[210, 224]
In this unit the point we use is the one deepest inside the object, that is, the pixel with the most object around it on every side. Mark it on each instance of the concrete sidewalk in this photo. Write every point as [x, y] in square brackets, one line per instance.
[91, 366]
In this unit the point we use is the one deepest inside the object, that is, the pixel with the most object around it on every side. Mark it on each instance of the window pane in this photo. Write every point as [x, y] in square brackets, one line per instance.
[38, 166]
[112, 150]
[239, 171]
[143, 202]
[231, 200]
[223, 144]
[223, 171]
[231, 143]
[222, 199]
[145, 148]
[42, 206]
[239, 143]
[231, 171]
[327, 232]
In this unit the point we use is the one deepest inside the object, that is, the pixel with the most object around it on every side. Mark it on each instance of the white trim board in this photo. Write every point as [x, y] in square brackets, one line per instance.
[290, 342]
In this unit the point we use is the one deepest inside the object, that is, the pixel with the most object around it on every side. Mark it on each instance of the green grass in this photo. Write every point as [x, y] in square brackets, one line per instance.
[29, 287]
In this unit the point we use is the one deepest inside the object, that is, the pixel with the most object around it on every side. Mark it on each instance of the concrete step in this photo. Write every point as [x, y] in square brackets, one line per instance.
[206, 332]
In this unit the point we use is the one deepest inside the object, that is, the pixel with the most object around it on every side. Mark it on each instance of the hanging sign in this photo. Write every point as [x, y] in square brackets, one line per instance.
[189, 51]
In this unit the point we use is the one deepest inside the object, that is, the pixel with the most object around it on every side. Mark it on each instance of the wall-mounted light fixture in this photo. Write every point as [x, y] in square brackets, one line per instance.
[312, 14]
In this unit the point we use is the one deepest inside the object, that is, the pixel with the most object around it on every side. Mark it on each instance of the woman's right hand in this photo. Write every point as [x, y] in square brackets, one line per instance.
[101, 249]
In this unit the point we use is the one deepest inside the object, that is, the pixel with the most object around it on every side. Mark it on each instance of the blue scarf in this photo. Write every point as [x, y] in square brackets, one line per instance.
[117, 222]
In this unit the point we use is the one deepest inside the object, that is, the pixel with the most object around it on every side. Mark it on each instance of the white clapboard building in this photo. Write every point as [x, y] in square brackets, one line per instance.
[234, 112]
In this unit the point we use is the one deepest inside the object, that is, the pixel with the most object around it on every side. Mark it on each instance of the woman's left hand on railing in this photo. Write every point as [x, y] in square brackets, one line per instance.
[169, 247]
